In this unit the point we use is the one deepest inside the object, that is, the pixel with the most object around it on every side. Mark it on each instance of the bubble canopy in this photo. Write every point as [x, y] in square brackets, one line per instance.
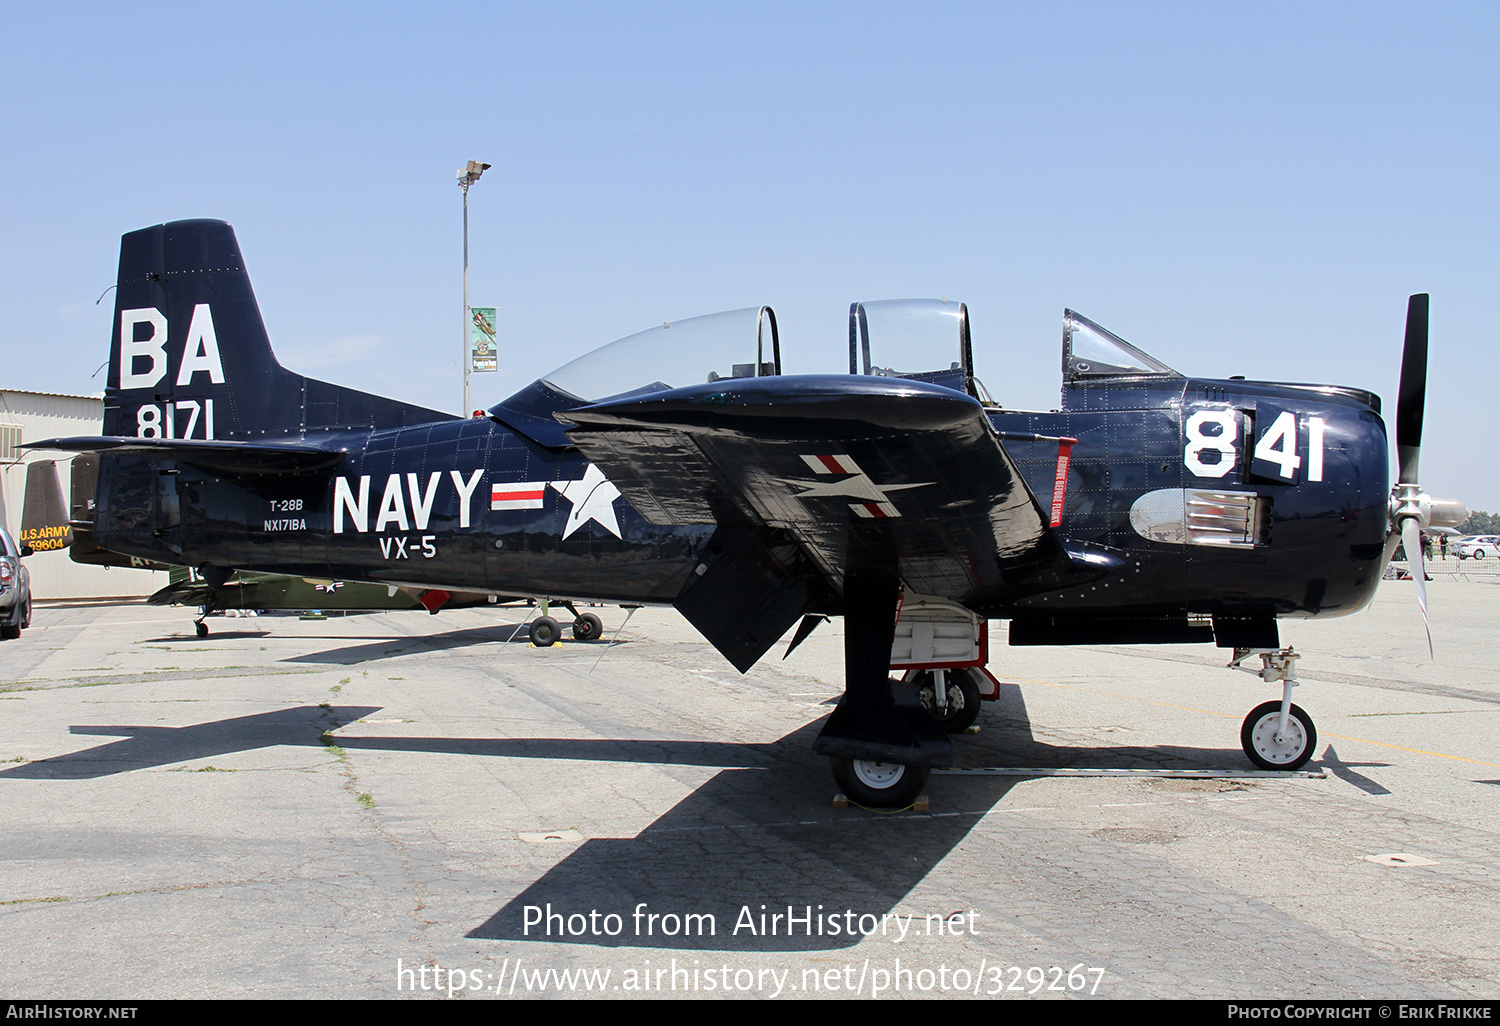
[733, 344]
[674, 354]
[921, 339]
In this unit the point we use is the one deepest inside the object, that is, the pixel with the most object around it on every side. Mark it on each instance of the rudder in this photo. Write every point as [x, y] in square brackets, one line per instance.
[190, 358]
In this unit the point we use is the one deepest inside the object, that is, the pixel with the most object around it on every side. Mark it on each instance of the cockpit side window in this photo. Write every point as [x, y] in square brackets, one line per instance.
[1090, 351]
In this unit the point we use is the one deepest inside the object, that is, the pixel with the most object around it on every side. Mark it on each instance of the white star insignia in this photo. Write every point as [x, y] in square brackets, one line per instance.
[593, 498]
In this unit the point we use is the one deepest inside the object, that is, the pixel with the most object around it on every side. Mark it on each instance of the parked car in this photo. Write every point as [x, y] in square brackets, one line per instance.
[1480, 546]
[15, 587]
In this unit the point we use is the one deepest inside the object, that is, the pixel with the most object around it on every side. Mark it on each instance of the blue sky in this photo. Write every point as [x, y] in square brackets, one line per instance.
[1236, 188]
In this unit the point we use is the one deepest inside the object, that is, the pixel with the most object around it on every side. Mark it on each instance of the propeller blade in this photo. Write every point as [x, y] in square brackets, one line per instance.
[1411, 541]
[1411, 401]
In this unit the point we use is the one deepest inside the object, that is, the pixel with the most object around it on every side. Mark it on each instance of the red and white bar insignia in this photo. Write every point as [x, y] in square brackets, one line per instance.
[874, 502]
[522, 495]
[831, 464]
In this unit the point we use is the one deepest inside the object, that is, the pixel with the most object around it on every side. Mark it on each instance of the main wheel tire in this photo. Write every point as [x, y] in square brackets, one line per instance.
[587, 627]
[879, 785]
[962, 692]
[201, 629]
[1258, 737]
[544, 632]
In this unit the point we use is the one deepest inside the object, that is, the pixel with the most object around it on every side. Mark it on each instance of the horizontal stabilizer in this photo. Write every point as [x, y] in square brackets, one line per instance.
[213, 456]
[182, 593]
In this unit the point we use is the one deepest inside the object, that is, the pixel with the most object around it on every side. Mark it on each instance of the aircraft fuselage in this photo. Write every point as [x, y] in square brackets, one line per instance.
[462, 505]
[474, 505]
[1286, 487]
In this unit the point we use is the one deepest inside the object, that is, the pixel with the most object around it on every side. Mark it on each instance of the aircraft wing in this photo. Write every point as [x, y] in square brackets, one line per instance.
[856, 469]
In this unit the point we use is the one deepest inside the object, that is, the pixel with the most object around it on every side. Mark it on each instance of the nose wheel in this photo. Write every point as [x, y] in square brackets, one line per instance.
[1272, 748]
[1277, 735]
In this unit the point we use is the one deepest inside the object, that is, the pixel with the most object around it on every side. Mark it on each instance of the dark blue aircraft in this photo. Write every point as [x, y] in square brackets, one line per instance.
[679, 466]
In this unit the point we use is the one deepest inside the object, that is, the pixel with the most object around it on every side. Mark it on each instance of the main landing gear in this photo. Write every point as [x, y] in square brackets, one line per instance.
[200, 628]
[545, 632]
[949, 698]
[882, 743]
[1277, 735]
[879, 785]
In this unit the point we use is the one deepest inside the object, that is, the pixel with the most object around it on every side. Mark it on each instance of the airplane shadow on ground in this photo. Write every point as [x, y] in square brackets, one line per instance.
[182, 639]
[747, 843]
[758, 833]
[146, 747]
[401, 644]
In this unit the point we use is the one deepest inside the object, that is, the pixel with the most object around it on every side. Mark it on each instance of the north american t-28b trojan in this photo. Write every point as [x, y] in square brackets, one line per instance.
[680, 466]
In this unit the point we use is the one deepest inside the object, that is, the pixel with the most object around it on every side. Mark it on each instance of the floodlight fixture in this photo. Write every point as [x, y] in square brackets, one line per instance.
[467, 176]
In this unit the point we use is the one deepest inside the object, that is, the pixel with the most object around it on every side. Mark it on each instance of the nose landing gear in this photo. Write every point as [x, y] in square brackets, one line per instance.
[1277, 735]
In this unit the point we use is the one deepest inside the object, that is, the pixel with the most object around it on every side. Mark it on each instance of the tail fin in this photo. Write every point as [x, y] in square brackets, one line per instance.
[44, 521]
[190, 359]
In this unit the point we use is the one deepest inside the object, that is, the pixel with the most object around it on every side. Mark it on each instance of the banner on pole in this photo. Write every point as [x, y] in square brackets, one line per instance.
[483, 351]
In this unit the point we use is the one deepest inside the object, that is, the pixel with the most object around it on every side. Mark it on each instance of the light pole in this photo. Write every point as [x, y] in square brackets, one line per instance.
[467, 176]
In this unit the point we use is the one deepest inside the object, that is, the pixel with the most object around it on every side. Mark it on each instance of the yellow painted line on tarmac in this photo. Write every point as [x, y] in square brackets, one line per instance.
[1418, 751]
[1228, 716]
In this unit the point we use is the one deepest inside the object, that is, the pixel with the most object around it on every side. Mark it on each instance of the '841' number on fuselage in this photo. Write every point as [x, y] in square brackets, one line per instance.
[1212, 449]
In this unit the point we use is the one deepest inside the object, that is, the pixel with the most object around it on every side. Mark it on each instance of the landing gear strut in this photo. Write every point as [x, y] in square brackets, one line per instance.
[881, 741]
[1278, 735]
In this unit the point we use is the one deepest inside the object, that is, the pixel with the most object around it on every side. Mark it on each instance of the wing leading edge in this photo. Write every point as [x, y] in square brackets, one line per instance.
[855, 469]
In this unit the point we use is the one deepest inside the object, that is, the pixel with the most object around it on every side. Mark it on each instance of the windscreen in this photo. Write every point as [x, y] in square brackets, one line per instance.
[1090, 351]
